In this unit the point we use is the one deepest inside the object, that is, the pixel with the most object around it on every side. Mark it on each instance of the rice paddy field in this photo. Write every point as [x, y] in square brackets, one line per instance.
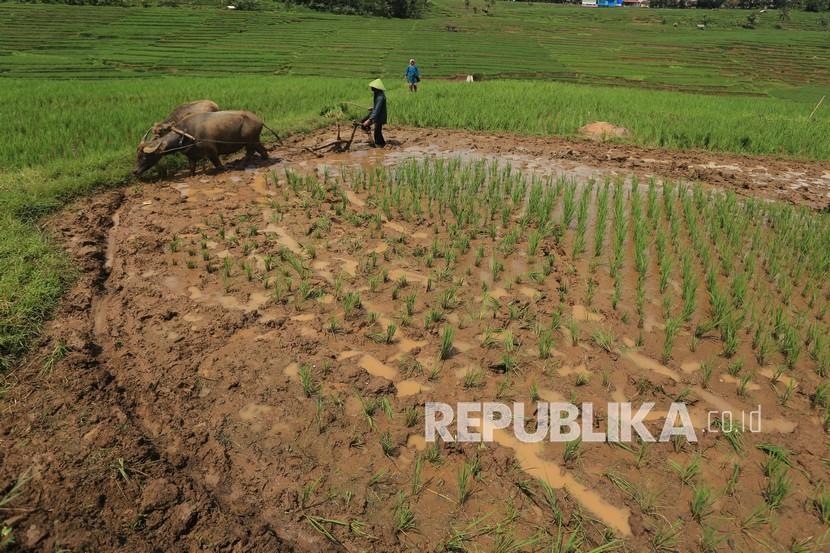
[241, 360]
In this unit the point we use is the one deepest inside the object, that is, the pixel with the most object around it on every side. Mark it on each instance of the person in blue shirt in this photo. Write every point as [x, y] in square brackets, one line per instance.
[378, 112]
[413, 76]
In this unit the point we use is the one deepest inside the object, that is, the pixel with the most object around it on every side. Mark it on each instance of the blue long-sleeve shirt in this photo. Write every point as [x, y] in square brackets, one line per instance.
[413, 75]
[378, 114]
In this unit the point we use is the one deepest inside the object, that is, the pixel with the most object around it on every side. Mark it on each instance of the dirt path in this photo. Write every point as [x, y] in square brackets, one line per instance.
[163, 409]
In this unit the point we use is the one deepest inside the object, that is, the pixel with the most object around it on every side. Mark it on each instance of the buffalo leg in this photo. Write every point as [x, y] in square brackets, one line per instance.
[192, 167]
[261, 150]
[214, 159]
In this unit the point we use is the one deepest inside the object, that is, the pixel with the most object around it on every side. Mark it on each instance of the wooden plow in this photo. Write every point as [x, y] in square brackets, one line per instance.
[338, 145]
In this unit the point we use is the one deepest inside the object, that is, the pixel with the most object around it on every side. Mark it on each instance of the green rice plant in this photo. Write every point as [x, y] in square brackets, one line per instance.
[387, 445]
[821, 397]
[790, 345]
[732, 482]
[701, 503]
[446, 343]
[464, 489]
[582, 379]
[688, 472]
[351, 303]
[410, 416]
[743, 383]
[778, 483]
[732, 434]
[787, 392]
[533, 239]
[667, 536]
[409, 303]
[645, 499]
[604, 338]
[574, 330]
[479, 256]
[433, 317]
[306, 374]
[729, 335]
[402, 515]
[688, 289]
[551, 501]
[433, 454]
[473, 378]
[710, 540]
[735, 367]
[572, 450]
[672, 328]
[821, 504]
[417, 469]
[496, 268]
[545, 344]
[706, 369]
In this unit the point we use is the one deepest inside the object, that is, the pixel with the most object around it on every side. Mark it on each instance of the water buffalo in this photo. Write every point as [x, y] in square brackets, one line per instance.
[205, 135]
[183, 111]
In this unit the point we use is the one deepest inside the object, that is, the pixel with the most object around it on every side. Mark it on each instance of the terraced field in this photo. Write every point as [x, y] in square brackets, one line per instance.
[643, 48]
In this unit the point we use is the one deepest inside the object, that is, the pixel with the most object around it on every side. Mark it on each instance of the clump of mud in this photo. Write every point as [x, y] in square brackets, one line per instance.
[601, 130]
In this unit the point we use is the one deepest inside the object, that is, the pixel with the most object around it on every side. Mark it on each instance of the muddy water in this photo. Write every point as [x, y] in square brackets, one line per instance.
[650, 364]
[408, 388]
[376, 368]
[581, 313]
[530, 459]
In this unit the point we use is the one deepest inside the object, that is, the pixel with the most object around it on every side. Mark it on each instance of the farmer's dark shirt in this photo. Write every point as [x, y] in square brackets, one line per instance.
[378, 114]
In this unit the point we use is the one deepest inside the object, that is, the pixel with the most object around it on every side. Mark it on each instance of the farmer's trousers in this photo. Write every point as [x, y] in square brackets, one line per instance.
[379, 140]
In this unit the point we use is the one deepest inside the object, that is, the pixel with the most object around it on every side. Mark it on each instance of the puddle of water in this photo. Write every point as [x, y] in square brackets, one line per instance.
[729, 379]
[566, 370]
[397, 227]
[304, 317]
[411, 276]
[255, 300]
[407, 344]
[416, 441]
[690, 366]
[784, 379]
[581, 313]
[408, 388]
[260, 185]
[650, 364]
[348, 354]
[192, 317]
[528, 291]
[462, 346]
[354, 199]
[349, 265]
[551, 396]
[283, 237]
[530, 459]
[374, 367]
[779, 425]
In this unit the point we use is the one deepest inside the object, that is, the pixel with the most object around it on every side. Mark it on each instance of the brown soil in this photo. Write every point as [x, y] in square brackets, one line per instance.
[177, 422]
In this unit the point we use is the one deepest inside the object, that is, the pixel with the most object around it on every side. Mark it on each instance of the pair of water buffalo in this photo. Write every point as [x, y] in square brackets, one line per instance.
[199, 130]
